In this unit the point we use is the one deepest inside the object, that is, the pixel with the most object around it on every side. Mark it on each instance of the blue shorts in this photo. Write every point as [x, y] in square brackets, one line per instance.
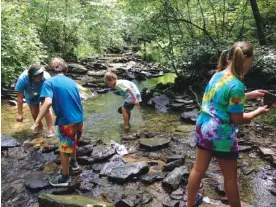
[33, 101]
[128, 106]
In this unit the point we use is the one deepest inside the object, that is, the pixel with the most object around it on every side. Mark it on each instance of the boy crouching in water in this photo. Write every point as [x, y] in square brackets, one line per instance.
[62, 93]
[130, 93]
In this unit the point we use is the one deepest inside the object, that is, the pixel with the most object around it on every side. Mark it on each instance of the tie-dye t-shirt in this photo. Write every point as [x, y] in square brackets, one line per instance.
[223, 95]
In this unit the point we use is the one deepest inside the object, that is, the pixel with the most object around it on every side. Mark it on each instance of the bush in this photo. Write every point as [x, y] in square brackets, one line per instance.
[21, 46]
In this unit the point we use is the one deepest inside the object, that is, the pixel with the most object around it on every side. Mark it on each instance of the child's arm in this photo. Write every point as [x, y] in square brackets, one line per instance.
[20, 96]
[255, 94]
[43, 110]
[245, 118]
[136, 102]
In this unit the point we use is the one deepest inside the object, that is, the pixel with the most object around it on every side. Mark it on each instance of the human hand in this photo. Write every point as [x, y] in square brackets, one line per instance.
[136, 102]
[34, 128]
[262, 109]
[256, 94]
[19, 118]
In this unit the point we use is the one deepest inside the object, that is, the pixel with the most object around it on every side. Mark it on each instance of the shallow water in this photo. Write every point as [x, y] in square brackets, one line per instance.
[102, 121]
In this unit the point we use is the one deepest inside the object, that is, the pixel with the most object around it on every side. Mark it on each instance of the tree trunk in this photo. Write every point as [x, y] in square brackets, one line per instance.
[258, 21]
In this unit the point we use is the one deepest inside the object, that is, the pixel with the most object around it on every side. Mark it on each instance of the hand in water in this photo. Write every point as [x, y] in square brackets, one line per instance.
[34, 128]
[19, 118]
[136, 102]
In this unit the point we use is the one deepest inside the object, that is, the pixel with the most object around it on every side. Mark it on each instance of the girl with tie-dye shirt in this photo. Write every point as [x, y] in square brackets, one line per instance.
[222, 110]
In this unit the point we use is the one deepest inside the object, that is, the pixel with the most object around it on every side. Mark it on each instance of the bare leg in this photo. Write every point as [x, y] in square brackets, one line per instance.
[125, 117]
[49, 120]
[74, 155]
[64, 159]
[34, 108]
[229, 171]
[203, 159]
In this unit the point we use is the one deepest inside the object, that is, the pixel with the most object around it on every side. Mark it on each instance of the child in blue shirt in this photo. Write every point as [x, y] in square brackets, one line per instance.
[29, 85]
[62, 94]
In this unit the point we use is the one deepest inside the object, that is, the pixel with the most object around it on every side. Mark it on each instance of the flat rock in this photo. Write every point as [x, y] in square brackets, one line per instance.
[154, 143]
[46, 200]
[8, 142]
[266, 151]
[37, 181]
[243, 148]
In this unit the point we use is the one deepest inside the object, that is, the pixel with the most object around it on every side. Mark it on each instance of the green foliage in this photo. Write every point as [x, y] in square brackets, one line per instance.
[36, 30]
[21, 45]
[179, 32]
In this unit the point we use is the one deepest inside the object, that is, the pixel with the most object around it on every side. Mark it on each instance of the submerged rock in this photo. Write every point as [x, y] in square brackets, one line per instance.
[46, 200]
[154, 143]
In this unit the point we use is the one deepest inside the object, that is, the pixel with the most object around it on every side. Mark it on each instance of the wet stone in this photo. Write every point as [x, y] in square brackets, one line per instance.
[173, 179]
[37, 181]
[152, 177]
[85, 150]
[97, 166]
[154, 143]
[266, 151]
[76, 68]
[100, 153]
[220, 189]
[170, 203]
[171, 165]
[124, 172]
[177, 194]
[17, 152]
[86, 187]
[109, 167]
[46, 200]
[8, 142]
[190, 116]
[244, 148]
[248, 170]
[175, 157]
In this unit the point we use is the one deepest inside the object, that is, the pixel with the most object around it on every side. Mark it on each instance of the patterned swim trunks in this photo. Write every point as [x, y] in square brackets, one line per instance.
[69, 136]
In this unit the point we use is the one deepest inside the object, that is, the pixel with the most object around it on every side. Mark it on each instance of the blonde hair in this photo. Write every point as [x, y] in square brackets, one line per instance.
[109, 76]
[236, 57]
[58, 65]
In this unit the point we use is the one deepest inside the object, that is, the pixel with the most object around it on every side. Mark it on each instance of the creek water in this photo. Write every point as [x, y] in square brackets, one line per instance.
[102, 121]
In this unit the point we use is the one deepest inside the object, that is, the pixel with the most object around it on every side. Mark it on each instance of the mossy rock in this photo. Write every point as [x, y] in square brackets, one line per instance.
[46, 200]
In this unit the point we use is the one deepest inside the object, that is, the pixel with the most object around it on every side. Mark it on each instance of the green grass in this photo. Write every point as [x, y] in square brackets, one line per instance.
[268, 118]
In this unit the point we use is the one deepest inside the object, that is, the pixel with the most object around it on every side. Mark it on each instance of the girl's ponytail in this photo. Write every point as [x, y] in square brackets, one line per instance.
[222, 63]
[237, 63]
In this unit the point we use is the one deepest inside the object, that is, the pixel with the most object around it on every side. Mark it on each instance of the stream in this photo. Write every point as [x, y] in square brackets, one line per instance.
[104, 123]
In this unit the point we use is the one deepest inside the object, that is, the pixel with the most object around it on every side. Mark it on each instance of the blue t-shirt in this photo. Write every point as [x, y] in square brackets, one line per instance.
[31, 92]
[66, 100]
